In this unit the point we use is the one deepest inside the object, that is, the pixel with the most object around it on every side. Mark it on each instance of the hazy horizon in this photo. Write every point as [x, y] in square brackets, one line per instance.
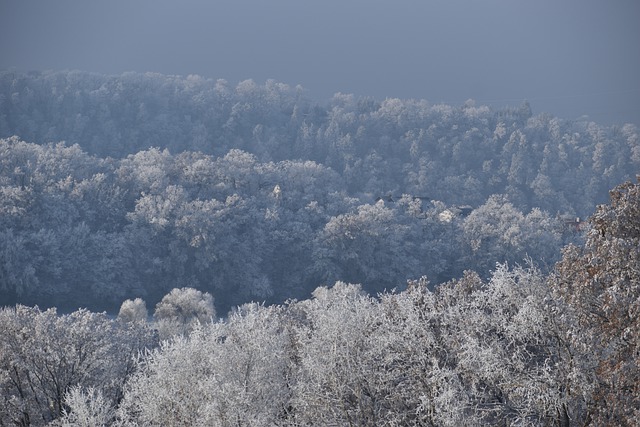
[569, 58]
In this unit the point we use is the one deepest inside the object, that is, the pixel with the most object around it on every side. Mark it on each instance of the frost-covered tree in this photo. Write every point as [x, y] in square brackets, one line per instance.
[44, 355]
[335, 381]
[181, 309]
[600, 284]
[234, 373]
[133, 311]
[371, 247]
[499, 232]
[508, 350]
[86, 408]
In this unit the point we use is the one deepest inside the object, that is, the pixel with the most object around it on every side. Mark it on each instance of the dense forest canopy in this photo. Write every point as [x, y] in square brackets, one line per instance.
[416, 264]
[254, 192]
[457, 154]
[518, 349]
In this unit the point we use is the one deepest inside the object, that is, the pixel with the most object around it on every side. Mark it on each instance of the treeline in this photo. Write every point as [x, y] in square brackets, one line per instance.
[457, 154]
[81, 231]
[519, 349]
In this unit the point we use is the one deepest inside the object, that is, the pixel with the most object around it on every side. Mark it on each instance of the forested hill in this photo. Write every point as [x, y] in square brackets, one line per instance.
[256, 192]
[457, 154]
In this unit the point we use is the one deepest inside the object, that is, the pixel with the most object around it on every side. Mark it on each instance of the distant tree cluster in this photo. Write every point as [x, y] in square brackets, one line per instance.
[255, 193]
[521, 348]
[457, 154]
[77, 230]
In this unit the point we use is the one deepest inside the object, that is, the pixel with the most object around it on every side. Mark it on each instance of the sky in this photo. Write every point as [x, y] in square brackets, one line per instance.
[570, 58]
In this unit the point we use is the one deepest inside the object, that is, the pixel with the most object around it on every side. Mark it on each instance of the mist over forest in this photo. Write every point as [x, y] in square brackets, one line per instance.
[469, 233]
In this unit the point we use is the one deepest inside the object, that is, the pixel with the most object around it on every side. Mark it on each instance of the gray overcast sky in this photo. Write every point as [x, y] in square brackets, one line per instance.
[567, 57]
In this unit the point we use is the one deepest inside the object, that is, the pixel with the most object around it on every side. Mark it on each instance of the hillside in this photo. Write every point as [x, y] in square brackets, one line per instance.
[255, 192]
